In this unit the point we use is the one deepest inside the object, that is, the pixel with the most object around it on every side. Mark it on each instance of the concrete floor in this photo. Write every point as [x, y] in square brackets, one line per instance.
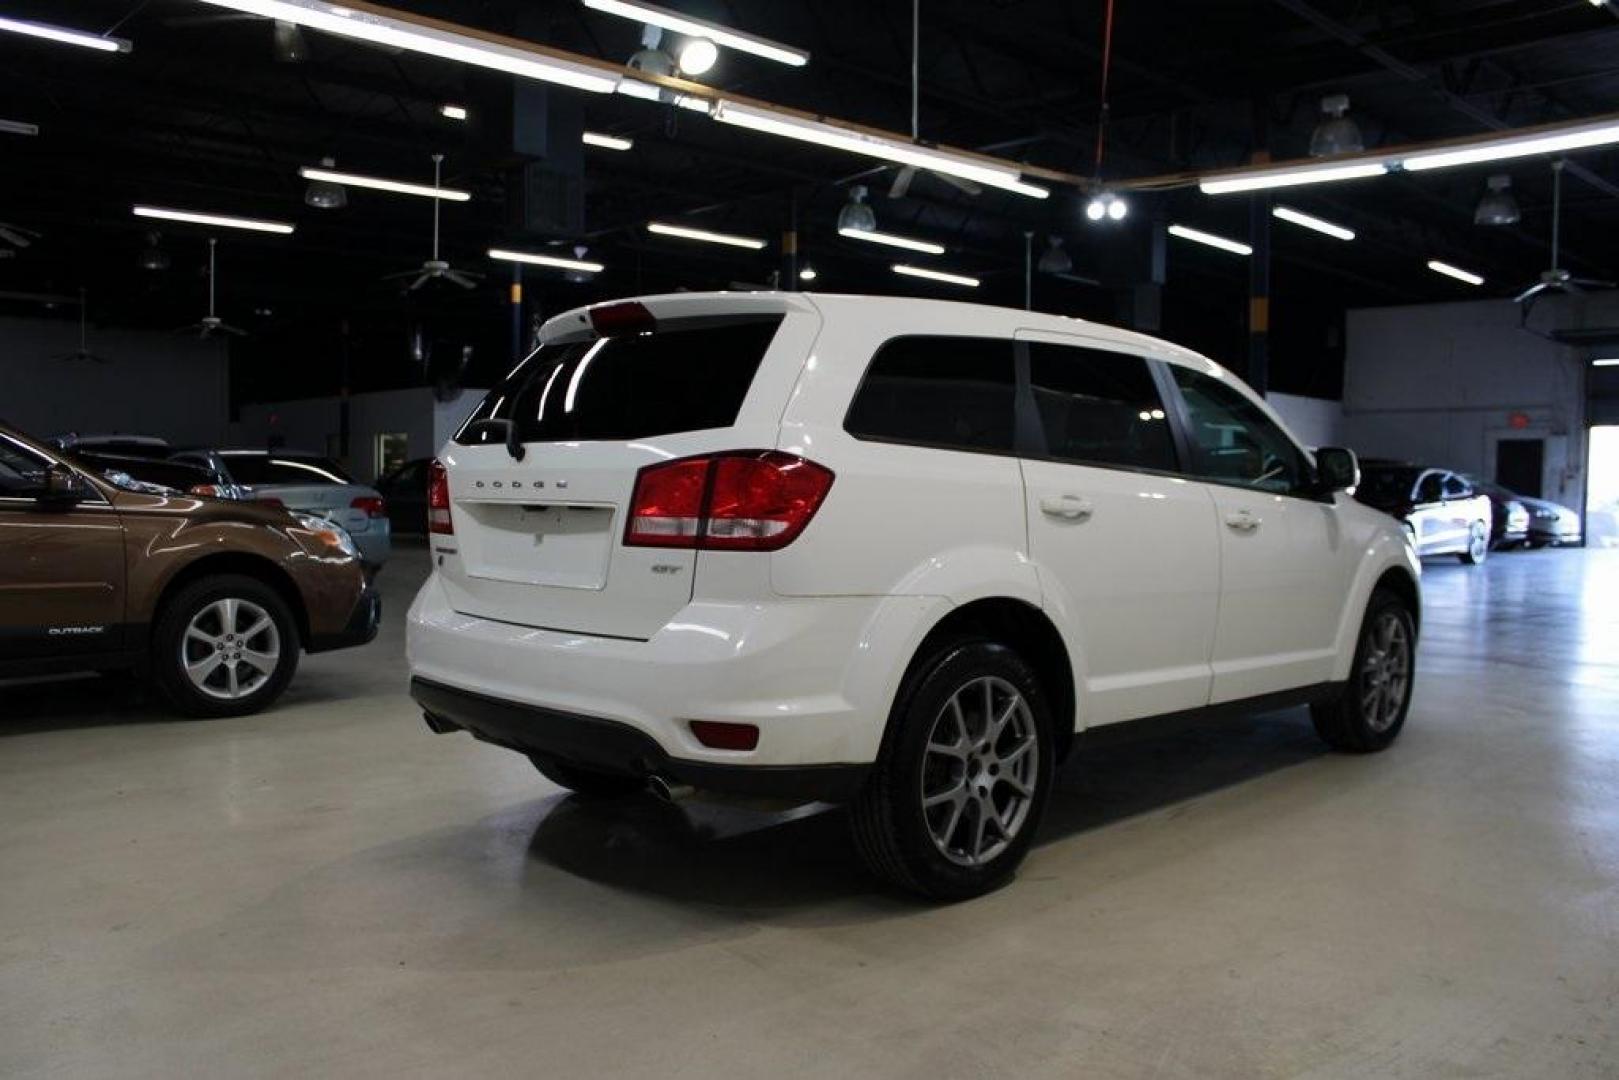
[331, 890]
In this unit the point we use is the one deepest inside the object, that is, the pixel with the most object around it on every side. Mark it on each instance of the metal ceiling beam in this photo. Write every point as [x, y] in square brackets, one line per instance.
[1355, 40]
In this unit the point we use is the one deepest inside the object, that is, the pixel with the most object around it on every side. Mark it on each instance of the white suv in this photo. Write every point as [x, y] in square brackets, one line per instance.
[890, 552]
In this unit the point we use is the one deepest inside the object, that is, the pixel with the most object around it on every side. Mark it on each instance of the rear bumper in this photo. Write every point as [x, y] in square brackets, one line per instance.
[612, 747]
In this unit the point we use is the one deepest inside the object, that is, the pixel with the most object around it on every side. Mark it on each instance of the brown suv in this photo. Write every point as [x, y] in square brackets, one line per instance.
[212, 600]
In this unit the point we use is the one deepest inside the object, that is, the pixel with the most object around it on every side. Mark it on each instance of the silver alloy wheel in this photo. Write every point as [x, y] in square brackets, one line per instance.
[230, 649]
[979, 771]
[1385, 677]
[1478, 545]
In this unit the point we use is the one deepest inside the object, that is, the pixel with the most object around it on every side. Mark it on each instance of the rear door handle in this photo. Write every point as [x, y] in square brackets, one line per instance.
[1243, 521]
[1067, 507]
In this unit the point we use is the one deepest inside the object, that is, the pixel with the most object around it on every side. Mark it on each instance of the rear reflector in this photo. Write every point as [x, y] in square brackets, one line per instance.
[717, 735]
[622, 320]
[212, 491]
[371, 504]
[438, 501]
[753, 500]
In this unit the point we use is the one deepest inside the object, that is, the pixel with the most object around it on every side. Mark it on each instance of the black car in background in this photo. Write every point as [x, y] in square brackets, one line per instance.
[1510, 526]
[1445, 513]
[1552, 523]
[405, 488]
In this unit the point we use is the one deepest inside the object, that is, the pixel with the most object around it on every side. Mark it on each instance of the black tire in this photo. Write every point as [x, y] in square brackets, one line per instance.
[1478, 546]
[1348, 723]
[169, 639]
[588, 783]
[1536, 545]
[893, 832]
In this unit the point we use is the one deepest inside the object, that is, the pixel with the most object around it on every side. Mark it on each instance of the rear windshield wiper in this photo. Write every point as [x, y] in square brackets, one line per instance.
[508, 433]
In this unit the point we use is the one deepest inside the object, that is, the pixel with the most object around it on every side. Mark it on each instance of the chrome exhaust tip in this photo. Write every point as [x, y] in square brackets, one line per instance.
[668, 791]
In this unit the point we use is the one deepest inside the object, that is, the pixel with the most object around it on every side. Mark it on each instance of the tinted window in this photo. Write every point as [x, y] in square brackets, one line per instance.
[22, 472]
[1386, 487]
[938, 391]
[1429, 490]
[1235, 442]
[256, 470]
[688, 375]
[1099, 407]
[1456, 488]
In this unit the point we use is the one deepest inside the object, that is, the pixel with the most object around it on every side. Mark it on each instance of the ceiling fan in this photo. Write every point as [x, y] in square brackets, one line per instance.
[83, 352]
[211, 323]
[435, 268]
[1558, 279]
[16, 235]
[907, 173]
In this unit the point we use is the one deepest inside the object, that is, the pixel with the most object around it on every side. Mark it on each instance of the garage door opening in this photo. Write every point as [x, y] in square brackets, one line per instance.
[1602, 500]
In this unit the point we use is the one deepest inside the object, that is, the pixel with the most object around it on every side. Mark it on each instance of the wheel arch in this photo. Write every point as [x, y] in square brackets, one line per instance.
[1019, 625]
[1402, 584]
[246, 565]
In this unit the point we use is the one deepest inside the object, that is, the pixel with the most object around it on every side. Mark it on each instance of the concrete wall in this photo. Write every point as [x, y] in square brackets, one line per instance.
[314, 423]
[1440, 383]
[152, 384]
[1314, 421]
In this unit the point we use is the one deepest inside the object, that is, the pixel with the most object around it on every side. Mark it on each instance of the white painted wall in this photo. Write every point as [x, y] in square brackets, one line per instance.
[1314, 421]
[313, 423]
[1437, 383]
[152, 384]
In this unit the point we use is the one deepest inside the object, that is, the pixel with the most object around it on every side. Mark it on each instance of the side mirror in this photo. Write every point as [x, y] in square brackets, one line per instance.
[63, 487]
[1336, 469]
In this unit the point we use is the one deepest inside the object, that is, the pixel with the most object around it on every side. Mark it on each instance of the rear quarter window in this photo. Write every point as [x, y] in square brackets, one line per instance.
[688, 375]
[950, 392]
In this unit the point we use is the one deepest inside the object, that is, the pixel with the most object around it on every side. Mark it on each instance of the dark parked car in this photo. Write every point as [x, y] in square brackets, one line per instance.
[1510, 514]
[405, 489]
[1444, 512]
[1551, 523]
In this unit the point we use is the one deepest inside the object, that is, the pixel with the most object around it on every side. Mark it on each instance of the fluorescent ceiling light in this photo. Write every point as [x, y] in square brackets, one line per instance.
[644, 90]
[63, 35]
[546, 260]
[1606, 363]
[453, 112]
[1201, 237]
[224, 222]
[1228, 183]
[704, 235]
[1454, 272]
[18, 127]
[652, 15]
[1576, 137]
[936, 275]
[1299, 217]
[607, 142]
[821, 133]
[379, 184]
[371, 24]
[927, 247]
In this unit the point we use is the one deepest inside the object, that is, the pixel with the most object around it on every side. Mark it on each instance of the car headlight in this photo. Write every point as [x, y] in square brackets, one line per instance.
[324, 538]
[1546, 515]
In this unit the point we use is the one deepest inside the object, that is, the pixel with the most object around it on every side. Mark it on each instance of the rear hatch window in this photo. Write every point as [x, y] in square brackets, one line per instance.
[691, 375]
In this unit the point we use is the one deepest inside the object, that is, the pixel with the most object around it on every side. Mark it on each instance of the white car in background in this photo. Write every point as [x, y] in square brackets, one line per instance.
[310, 484]
[890, 552]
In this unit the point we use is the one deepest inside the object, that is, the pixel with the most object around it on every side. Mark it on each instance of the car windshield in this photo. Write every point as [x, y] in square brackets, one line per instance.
[1385, 486]
[258, 470]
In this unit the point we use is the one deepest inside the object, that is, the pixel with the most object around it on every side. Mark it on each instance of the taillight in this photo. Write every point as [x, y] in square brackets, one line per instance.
[438, 501]
[372, 505]
[212, 491]
[756, 500]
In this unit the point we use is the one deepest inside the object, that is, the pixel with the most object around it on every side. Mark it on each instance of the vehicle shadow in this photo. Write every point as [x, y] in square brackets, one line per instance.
[67, 703]
[727, 858]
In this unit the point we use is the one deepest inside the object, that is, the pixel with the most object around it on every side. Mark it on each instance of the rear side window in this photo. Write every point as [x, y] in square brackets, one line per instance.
[256, 470]
[688, 375]
[1099, 408]
[950, 392]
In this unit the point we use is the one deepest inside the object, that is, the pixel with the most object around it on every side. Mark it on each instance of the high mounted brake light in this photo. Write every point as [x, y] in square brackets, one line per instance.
[750, 500]
[622, 320]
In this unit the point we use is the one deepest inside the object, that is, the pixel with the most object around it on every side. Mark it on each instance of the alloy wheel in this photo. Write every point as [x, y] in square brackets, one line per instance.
[230, 649]
[1385, 676]
[979, 771]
